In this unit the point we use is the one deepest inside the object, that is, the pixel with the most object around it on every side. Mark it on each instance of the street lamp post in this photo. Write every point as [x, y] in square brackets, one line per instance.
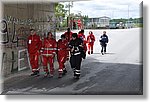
[69, 7]
[128, 18]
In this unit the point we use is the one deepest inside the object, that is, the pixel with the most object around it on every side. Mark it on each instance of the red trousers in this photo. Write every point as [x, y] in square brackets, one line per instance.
[79, 27]
[90, 47]
[45, 61]
[61, 61]
[34, 59]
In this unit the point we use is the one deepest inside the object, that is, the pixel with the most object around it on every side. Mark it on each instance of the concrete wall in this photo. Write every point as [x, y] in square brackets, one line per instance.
[20, 18]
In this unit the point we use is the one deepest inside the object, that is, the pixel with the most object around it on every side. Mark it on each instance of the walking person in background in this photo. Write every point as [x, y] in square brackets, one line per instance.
[34, 45]
[62, 46]
[79, 24]
[103, 42]
[49, 47]
[83, 38]
[68, 36]
[90, 41]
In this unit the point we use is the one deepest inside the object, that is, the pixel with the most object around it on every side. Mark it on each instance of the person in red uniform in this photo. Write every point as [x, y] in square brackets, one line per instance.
[49, 47]
[68, 36]
[34, 45]
[90, 41]
[79, 24]
[62, 46]
[83, 38]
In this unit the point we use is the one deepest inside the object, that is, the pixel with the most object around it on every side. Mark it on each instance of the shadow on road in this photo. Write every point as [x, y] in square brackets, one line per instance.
[105, 53]
[97, 78]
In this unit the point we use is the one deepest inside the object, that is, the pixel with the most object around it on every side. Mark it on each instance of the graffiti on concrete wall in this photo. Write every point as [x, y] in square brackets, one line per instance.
[18, 21]
[4, 32]
[14, 33]
[13, 37]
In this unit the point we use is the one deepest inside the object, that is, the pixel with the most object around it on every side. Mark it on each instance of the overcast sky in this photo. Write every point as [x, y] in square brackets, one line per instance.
[110, 8]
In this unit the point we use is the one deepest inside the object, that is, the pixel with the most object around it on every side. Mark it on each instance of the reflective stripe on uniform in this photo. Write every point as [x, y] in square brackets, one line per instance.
[62, 59]
[77, 53]
[77, 71]
[36, 69]
[61, 49]
[47, 54]
[60, 70]
[50, 48]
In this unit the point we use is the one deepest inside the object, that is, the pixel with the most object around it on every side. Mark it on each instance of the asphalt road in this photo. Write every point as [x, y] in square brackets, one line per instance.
[119, 71]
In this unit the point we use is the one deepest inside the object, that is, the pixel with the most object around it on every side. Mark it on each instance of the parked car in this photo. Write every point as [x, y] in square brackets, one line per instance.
[113, 25]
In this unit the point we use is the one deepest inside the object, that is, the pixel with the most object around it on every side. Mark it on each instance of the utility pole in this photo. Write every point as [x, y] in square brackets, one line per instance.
[69, 9]
[128, 18]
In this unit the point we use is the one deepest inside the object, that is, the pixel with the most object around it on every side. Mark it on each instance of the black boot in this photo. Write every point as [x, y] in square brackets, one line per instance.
[37, 73]
[64, 72]
[46, 74]
[34, 73]
[60, 75]
[76, 77]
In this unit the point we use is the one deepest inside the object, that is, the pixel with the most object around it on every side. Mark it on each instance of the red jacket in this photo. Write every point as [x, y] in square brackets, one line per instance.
[82, 36]
[91, 38]
[62, 47]
[79, 22]
[34, 44]
[49, 46]
[68, 36]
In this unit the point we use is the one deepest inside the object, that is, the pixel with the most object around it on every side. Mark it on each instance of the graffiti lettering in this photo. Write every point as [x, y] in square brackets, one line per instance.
[4, 33]
[18, 21]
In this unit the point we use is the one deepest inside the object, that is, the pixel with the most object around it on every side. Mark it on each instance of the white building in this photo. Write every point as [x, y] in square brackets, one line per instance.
[99, 22]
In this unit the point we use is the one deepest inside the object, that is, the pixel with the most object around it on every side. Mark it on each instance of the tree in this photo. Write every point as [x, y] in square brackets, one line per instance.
[85, 18]
[60, 10]
[60, 14]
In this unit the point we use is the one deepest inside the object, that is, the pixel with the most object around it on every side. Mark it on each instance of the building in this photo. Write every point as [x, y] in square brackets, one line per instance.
[129, 24]
[99, 22]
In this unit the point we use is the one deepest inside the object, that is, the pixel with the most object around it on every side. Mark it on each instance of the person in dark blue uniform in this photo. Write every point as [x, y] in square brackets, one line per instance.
[103, 42]
[76, 49]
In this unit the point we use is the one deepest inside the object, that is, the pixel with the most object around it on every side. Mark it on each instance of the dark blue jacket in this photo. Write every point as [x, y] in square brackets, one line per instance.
[104, 39]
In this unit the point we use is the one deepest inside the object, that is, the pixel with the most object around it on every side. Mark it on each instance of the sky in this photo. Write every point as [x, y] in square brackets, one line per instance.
[109, 8]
